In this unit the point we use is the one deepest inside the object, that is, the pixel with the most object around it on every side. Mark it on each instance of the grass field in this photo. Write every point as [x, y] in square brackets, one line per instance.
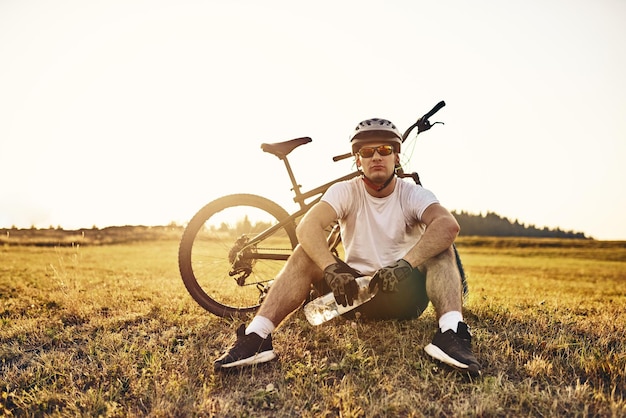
[109, 330]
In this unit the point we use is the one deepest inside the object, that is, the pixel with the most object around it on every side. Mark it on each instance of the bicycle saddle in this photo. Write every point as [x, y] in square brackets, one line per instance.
[281, 149]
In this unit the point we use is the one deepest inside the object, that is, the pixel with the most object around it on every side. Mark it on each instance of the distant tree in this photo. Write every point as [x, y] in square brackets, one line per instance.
[492, 224]
[243, 226]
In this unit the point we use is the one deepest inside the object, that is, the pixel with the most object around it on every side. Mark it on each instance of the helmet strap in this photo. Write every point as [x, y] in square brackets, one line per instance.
[376, 187]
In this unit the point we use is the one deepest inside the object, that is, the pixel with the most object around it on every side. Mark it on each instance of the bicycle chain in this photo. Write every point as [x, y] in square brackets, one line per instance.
[275, 249]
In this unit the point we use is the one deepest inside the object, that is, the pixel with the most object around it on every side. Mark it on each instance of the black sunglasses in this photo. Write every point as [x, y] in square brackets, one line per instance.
[368, 152]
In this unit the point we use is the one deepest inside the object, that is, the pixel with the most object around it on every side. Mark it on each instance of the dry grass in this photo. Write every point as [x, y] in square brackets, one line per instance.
[110, 330]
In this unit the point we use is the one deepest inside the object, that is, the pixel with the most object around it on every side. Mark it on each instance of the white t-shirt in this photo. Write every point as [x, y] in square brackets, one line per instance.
[375, 231]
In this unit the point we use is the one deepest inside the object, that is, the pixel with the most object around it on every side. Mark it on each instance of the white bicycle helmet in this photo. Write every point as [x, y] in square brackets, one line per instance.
[375, 127]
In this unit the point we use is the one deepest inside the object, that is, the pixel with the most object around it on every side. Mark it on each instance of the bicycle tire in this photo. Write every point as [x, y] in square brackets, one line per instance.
[210, 242]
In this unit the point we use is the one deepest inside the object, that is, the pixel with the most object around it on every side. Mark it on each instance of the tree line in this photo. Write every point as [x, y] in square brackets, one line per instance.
[495, 225]
[491, 225]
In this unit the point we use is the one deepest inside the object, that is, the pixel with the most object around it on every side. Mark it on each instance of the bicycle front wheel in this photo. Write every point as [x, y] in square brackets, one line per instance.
[225, 268]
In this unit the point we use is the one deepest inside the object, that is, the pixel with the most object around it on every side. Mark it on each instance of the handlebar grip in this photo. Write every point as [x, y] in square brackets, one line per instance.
[342, 157]
[422, 123]
[434, 110]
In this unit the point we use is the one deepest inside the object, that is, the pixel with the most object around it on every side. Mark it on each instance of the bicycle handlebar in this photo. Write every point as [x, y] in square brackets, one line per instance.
[422, 124]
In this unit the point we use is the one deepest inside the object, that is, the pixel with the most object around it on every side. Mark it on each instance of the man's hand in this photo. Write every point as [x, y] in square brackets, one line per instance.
[340, 277]
[387, 278]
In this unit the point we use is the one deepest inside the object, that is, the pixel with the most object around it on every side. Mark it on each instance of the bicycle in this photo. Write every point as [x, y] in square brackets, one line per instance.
[234, 246]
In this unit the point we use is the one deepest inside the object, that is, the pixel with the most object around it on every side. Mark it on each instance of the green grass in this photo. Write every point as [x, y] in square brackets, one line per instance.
[110, 330]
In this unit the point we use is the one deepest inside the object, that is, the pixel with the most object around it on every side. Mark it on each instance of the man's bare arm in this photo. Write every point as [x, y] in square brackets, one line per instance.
[312, 236]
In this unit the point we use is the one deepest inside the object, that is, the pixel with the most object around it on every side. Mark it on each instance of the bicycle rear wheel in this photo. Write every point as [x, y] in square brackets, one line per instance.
[223, 268]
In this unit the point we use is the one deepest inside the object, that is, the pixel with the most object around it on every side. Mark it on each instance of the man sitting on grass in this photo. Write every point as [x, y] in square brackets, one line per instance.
[393, 230]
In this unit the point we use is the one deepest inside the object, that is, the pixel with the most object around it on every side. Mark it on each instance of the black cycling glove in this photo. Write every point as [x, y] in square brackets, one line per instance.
[340, 277]
[387, 278]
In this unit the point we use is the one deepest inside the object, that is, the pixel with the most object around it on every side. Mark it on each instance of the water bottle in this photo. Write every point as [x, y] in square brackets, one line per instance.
[326, 308]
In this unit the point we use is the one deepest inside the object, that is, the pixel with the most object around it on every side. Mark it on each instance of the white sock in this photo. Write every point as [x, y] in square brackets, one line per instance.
[261, 325]
[450, 320]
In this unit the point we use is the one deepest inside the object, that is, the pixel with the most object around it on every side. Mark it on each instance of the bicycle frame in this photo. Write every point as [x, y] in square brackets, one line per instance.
[422, 124]
[300, 198]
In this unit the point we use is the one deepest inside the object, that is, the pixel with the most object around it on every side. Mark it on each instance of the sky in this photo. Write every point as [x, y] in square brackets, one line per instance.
[137, 112]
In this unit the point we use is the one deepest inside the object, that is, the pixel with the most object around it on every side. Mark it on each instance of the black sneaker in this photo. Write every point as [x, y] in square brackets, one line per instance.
[455, 349]
[248, 349]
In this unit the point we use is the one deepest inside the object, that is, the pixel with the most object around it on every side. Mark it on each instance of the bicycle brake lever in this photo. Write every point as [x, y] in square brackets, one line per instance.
[424, 125]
